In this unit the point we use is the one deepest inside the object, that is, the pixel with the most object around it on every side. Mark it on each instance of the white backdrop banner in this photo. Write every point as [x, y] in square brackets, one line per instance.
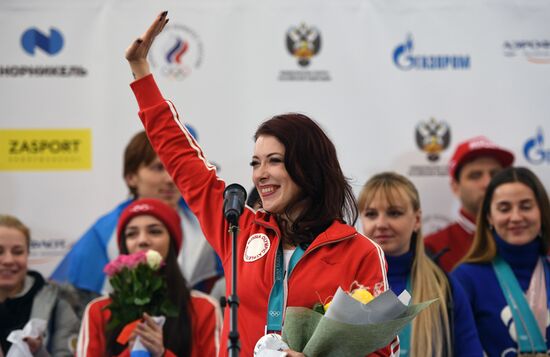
[380, 76]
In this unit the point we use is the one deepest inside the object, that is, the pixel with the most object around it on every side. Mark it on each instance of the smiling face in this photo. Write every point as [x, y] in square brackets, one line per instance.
[14, 254]
[153, 181]
[391, 222]
[276, 188]
[147, 232]
[515, 213]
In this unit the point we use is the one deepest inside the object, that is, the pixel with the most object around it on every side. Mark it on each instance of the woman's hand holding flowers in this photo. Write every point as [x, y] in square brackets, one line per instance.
[150, 335]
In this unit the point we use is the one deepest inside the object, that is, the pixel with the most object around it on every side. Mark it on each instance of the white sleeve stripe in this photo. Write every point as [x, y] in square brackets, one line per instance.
[84, 333]
[194, 144]
[395, 347]
[82, 344]
[189, 137]
[382, 265]
[381, 260]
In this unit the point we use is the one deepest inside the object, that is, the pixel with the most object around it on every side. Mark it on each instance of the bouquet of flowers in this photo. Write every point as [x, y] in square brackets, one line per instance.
[352, 324]
[138, 287]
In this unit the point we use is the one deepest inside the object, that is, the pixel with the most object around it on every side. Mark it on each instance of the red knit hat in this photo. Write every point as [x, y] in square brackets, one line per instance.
[157, 209]
[476, 147]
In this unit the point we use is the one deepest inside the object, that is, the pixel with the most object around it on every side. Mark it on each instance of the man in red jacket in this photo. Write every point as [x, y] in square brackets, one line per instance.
[471, 168]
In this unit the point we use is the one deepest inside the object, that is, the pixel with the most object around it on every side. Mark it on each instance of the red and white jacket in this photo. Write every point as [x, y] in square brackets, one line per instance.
[337, 257]
[452, 243]
[205, 322]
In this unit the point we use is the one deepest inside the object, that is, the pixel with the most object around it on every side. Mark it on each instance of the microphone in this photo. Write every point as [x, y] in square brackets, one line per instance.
[234, 197]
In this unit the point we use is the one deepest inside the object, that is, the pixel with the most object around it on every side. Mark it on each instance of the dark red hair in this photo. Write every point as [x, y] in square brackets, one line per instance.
[312, 163]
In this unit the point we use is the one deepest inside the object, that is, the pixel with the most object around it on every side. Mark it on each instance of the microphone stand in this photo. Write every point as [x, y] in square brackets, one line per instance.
[234, 197]
[233, 301]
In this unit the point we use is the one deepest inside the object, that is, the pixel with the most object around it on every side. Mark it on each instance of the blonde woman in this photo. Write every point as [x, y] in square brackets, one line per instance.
[506, 274]
[25, 294]
[390, 214]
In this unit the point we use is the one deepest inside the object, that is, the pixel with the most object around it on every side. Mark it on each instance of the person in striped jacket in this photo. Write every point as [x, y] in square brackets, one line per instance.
[151, 224]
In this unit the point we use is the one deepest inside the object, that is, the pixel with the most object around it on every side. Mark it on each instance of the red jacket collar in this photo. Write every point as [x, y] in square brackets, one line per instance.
[337, 231]
[466, 221]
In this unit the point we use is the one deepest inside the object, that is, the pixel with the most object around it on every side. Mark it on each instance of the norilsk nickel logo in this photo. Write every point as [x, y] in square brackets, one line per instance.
[37, 43]
[50, 43]
[177, 52]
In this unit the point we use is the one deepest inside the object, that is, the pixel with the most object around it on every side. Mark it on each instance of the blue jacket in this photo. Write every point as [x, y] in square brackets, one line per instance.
[466, 340]
[491, 312]
[83, 265]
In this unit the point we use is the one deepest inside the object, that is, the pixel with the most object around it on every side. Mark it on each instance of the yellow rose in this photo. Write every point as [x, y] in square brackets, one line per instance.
[362, 295]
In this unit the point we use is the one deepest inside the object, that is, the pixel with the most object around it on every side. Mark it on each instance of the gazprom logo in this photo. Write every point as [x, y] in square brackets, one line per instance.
[534, 149]
[50, 43]
[405, 59]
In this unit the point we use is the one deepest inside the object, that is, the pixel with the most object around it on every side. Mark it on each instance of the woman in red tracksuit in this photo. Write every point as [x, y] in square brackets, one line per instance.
[305, 198]
[151, 224]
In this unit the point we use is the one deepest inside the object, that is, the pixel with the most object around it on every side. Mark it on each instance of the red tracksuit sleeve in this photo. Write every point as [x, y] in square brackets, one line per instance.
[207, 324]
[374, 276]
[194, 176]
[91, 339]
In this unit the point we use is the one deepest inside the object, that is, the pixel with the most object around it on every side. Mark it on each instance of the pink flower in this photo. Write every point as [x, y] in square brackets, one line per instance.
[113, 267]
[125, 261]
[128, 297]
[135, 259]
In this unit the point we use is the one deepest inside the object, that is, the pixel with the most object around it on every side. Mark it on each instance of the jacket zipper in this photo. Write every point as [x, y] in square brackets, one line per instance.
[285, 286]
[306, 253]
[322, 245]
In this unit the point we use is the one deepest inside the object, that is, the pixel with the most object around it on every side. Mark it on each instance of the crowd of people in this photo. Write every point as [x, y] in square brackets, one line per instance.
[488, 271]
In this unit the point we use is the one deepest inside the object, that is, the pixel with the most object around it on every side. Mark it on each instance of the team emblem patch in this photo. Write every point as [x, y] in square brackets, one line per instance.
[257, 245]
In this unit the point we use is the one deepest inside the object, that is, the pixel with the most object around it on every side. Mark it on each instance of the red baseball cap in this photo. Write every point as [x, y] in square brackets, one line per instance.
[476, 147]
[158, 209]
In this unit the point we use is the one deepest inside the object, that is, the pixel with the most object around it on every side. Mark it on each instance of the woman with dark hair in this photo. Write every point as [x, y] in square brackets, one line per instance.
[151, 224]
[390, 213]
[506, 273]
[295, 251]
[253, 199]
[145, 177]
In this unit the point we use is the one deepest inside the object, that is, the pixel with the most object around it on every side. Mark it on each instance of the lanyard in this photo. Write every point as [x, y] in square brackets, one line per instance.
[405, 334]
[530, 339]
[276, 302]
